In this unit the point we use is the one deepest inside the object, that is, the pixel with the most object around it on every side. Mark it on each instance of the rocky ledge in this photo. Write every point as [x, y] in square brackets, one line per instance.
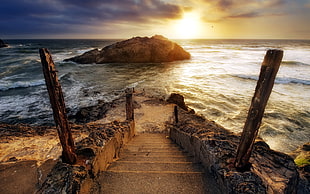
[3, 44]
[135, 50]
[215, 147]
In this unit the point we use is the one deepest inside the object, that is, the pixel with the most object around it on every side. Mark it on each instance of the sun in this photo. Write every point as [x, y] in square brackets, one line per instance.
[189, 26]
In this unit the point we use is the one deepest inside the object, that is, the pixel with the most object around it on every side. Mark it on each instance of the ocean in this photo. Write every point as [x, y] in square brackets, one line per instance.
[218, 82]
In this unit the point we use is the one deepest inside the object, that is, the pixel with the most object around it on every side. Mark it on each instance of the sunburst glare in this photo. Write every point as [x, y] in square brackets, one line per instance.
[189, 26]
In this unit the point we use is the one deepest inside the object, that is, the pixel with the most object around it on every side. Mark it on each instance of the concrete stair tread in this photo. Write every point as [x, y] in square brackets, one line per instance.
[153, 146]
[171, 158]
[150, 154]
[156, 166]
[142, 149]
[150, 182]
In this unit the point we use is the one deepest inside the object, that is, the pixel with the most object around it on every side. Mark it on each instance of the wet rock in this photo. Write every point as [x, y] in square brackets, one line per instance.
[91, 113]
[3, 44]
[135, 50]
[177, 99]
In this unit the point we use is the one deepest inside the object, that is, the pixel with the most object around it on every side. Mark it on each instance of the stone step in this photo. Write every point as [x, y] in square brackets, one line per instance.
[153, 182]
[150, 141]
[152, 144]
[151, 137]
[171, 158]
[155, 166]
[151, 149]
[159, 153]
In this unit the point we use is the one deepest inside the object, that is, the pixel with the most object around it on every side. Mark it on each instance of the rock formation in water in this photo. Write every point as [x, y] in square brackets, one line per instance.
[135, 50]
[178, 100]
[3, 44]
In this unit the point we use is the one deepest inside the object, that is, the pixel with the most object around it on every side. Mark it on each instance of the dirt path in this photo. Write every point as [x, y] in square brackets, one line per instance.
[150, 114]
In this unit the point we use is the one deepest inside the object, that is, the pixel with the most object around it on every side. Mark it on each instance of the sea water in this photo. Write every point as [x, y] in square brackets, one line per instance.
[218, 82]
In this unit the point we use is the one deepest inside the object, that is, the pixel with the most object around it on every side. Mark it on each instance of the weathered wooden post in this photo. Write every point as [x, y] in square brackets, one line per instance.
[176, 114]
[58, 106]
[269, 69]
[129, 105]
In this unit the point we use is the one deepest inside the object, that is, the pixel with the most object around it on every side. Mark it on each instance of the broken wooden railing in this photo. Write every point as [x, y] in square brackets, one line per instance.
[129, 105]
[58, 106]
[269, 69]
[176, 114]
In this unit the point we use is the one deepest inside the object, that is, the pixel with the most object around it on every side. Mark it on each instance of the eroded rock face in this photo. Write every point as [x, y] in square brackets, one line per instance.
[177, 99]
[3, 44]
[135, 50]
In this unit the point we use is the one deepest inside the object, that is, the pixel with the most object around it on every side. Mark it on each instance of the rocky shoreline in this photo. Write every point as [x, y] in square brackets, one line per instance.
[271, 171]
[3, 44]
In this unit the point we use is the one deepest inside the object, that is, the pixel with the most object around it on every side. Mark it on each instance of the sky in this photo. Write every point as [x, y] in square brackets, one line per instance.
[175, 19]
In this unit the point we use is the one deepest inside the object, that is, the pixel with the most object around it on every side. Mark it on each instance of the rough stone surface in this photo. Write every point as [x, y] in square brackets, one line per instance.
[91, 113]
[178, 100]
[3, 44]
[135, 50]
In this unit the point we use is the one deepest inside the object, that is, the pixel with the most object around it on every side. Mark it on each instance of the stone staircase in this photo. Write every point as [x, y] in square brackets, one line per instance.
[152, 163]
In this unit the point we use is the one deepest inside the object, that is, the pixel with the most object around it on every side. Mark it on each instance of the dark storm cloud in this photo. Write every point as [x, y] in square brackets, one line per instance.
[64, 16]
[243, 9]
[228, 5]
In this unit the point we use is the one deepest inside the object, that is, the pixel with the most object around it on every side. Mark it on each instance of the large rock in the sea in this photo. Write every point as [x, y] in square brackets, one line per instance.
[3, 44]
[177, 99]
[135, 50]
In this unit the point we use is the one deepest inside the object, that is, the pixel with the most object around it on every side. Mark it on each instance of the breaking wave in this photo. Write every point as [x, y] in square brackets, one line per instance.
[279, 80]
[6, 85]
[294, 63]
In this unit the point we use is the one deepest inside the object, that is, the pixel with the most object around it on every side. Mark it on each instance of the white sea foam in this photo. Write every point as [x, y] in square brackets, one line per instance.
[7, 85]
[279, 80]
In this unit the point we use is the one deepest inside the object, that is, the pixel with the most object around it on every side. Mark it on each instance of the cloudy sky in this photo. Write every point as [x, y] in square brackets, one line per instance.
[264, 19]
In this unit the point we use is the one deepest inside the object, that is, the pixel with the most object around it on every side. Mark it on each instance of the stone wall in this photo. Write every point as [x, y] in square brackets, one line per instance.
[95, 153]
[215, 148]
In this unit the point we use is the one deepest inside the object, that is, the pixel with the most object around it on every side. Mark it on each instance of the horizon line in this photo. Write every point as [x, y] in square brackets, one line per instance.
[151, 36]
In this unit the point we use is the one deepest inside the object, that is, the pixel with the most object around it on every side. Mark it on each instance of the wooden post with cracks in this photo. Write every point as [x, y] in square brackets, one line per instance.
[129, 104]
[176, 114]
[269, 69]
[58, 106]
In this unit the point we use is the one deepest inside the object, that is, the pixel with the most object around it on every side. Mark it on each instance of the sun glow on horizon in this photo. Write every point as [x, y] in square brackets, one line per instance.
[189, 26]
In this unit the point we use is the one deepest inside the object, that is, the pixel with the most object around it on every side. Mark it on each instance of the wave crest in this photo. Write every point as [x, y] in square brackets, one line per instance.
[294, 63]
[279, 80]
[20, 84]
